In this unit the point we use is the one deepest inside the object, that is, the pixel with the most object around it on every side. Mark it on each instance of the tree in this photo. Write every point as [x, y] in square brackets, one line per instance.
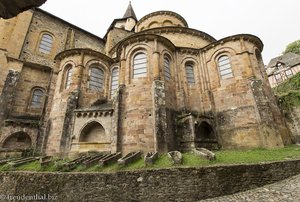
[293, 47]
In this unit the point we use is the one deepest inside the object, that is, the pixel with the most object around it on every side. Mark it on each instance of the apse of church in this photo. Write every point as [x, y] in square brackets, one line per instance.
[152, 84]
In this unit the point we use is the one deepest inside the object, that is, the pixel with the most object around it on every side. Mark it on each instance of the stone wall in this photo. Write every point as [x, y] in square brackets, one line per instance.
[114, 36]
[12, 36]
[86, 120]
[30, 78]
[160, 19]
[176, 184]
[64, 36]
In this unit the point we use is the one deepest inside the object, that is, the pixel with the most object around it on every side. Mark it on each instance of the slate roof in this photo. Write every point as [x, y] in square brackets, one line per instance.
[289, 59]
[130, 12]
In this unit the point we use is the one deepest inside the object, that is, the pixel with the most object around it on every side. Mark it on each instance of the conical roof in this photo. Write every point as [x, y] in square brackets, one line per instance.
[129, 12]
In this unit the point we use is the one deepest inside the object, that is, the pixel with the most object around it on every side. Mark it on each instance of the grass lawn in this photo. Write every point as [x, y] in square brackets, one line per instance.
[189, 160]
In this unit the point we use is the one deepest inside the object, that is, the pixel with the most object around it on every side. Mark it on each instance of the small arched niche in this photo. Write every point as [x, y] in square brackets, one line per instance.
[204, 131]
[93, 132]
[205, 136]
[19, 140]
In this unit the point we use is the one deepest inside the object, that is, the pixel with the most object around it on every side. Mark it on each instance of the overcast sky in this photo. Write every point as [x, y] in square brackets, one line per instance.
[275, 22]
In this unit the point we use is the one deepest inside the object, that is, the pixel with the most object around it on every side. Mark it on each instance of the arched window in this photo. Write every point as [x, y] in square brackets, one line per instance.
[167, 69]
[114, 80]
[46, 43]
[225, 67]
[36, 99]
[139, 65]
[68, 77]
[189, 71]
[96, 78]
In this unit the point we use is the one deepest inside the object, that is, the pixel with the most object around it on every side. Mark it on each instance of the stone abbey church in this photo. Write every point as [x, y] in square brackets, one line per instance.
[152, 84]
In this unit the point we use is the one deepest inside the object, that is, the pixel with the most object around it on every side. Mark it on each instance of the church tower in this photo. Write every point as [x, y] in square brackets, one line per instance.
[120, 27]
[130, 18]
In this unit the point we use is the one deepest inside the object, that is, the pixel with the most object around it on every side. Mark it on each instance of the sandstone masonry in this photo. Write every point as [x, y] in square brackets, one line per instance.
[152, 84]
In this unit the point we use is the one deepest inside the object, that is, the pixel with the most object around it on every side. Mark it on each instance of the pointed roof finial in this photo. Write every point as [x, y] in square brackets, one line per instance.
[130, 12]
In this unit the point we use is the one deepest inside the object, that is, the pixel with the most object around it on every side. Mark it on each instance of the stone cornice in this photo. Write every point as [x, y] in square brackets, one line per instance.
[30, 64]
[185, 50]
[140, 37]
[86, 113]
[163, 13]
[246, 37]
[22, 123]
[79, 51]
[193, 32]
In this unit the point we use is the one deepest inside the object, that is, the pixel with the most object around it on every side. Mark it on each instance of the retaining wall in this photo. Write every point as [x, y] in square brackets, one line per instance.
[176, 184]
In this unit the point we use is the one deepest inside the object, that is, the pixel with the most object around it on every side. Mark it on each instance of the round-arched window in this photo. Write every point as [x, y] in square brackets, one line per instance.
[140, 65]
[96, 81]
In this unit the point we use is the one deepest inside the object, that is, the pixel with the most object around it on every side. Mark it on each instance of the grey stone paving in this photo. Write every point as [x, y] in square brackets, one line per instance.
[284, 191]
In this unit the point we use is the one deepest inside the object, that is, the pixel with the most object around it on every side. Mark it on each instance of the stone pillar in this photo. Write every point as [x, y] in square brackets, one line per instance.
[161, 135]
[118, 109]
[247, 61]
[122, 72]
[122, 69]
[156, 62]
[77, 74]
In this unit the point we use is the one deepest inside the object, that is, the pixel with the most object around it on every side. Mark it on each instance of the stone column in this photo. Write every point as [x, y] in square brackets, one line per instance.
[246, 59]
[122, 69]
[77, 73]
[156, 62]
[161, 136]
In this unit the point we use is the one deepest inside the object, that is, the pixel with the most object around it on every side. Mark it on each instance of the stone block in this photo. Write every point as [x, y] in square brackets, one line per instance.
[46, 161]
[150, 158]
[175, 157]
[204, 153]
